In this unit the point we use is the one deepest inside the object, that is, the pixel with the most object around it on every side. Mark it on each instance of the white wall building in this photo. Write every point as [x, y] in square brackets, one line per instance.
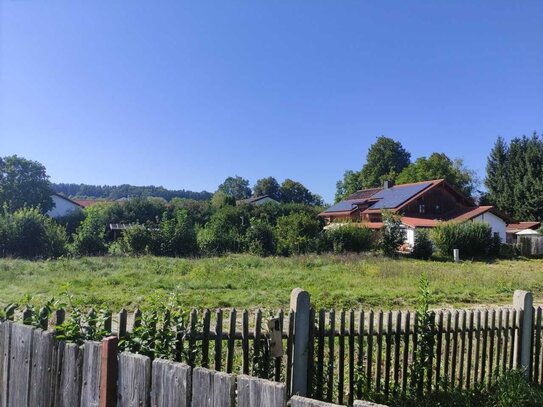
[63, 206]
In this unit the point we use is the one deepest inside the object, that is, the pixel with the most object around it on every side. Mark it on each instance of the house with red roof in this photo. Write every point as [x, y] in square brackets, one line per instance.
[420, 205]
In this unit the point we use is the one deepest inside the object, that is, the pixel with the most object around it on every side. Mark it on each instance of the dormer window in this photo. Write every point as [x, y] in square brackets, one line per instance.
[421, 208]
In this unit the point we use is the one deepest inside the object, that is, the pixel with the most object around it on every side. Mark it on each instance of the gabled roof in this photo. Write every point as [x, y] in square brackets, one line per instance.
[384, 198]
[85, 203]
[254, 199]
[517, 227]
[68, 199]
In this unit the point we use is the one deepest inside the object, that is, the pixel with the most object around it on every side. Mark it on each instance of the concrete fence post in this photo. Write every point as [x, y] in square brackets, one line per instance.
[523, 302]
[300, 304]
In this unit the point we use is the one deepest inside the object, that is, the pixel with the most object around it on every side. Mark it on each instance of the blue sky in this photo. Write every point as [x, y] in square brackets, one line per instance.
[185, 93]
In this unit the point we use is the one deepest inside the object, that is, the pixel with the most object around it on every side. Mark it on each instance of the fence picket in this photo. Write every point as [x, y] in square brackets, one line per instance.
[134, 380]
[331, 357]
[369, 352]
[397, 344]
[360, 356]
[320, 354]
[470, 349]
[379, 351]
[279, 360]
[405, 361]
[505, 334]
[484, 345]
[492, 335]
[462, 349]
[351, 356]
[231, 342]
[206, 325]
[245, 341]
[218, 340]
[537, 349]
[448, 334]
[341, 358]
[439, 345]
[388, 349]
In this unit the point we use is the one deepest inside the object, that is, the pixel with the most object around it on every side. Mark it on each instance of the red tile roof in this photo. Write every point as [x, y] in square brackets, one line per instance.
[471, 213]
[516, 227]
[419, 222]
[88, 202]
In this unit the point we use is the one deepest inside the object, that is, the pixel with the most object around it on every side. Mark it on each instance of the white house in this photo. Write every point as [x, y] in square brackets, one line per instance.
[63, 206]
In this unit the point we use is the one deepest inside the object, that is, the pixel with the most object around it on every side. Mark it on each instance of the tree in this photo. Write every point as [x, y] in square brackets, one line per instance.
[352, 182]
[293, 191]
[385, 160]
[437, 166]
[267, 186]
[515, 177]
[24, 183]
[392, 235]
[236, 187]
[496, 179]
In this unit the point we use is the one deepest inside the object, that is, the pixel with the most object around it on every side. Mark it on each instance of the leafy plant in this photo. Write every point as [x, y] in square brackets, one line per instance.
[392, 235]
[423, 247]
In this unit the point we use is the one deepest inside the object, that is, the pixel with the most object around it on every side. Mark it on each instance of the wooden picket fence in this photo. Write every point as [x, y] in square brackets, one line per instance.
[352, 353]
[38, 370]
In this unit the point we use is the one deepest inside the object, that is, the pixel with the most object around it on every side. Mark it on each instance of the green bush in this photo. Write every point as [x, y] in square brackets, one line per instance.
[511, 389]
[423, 247]
[392, 234]
[178, 235]
[225, 231]
[71, 221]
[90, 237]
[298, 233]
[29, 234]
[349, 238]
[136, 240]
[473, 239]
[260, 238]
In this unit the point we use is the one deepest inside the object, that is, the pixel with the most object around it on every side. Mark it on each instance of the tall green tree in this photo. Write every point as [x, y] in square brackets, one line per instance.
[515, 177]
[352, 182]
[497, 180]
[24, 183]
[296, 192]
[385, 160]
[437, 166]
[267, 186]
[236, 187]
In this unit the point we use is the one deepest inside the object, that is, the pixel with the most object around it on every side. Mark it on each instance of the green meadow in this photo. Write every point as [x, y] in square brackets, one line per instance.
[245, 281]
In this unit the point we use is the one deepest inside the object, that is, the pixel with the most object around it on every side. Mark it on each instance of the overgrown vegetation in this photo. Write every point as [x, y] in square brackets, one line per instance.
[252, 281]
[473, 239]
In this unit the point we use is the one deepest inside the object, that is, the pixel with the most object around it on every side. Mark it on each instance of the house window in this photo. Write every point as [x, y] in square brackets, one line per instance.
[421, 208]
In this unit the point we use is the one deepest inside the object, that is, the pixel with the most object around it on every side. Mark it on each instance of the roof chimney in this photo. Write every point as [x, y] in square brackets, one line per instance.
[388, 184]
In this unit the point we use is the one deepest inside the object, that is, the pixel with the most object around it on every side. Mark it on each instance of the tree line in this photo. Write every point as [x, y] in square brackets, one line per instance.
[113, 192]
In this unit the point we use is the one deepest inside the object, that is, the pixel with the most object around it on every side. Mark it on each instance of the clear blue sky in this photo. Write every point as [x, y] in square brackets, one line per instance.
[185, 93]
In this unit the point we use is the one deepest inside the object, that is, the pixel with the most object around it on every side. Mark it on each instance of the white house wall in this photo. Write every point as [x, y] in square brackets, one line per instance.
[496, 223]
[410, 236]
[62, 207]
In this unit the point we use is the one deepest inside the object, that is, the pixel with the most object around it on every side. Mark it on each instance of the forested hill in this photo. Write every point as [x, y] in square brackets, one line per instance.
[120, 191]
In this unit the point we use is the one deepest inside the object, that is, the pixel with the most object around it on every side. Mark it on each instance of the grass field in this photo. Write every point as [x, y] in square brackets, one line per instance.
[248, 281]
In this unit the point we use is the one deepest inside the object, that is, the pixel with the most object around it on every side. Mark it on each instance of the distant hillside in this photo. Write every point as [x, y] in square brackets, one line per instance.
[119, 191]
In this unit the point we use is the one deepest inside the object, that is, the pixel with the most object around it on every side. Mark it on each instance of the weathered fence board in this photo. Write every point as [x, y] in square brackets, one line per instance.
[212, 389]
[69, 381]
[134, 380]
[170, 384]
[258, 392]
[44, 367]
[297, 401]
[90, 391]
[19, 366]
[360, 403]
[5, 335]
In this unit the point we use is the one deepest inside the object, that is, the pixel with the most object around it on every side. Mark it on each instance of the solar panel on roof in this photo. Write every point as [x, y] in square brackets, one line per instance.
[346, 205]
[395, 196]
